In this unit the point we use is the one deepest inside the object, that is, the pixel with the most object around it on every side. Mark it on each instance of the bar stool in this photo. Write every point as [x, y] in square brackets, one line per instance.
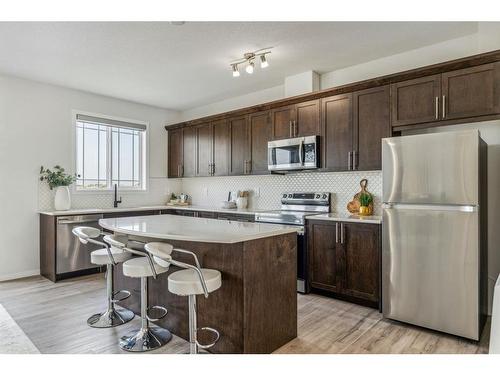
[146, 337]
[191, 281]
[109, 257]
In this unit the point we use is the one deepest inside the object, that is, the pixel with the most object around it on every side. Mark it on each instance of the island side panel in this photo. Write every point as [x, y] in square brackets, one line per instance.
[270, 288]
[222, 310]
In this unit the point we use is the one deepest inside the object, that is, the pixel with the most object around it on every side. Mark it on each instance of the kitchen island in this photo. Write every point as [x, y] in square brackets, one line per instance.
[255, 310]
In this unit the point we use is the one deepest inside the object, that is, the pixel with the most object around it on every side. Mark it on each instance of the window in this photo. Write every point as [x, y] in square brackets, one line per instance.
[109, 152]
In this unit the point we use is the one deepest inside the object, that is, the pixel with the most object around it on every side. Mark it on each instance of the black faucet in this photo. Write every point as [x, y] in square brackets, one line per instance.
[116, 201]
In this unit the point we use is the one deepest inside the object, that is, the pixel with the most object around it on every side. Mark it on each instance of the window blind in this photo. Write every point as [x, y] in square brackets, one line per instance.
[110, 122]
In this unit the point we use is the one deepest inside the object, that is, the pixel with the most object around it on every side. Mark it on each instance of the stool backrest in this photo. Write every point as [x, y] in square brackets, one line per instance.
[163, 251]
[84, 234]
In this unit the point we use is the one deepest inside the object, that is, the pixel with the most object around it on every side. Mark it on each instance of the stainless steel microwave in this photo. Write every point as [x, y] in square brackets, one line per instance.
[293, 154]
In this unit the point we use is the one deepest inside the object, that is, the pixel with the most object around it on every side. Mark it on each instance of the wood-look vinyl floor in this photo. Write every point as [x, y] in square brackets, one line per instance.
[54, 317]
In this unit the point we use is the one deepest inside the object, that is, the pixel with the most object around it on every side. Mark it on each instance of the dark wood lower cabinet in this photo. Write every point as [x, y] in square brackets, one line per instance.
[344, 259]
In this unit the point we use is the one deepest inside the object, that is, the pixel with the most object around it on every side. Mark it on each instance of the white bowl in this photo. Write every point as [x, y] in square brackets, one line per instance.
[228, 204]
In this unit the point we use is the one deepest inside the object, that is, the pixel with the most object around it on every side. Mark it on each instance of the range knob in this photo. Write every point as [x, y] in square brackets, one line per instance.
[324, 196]
[284, 195]
[290, 195]
[318, 196]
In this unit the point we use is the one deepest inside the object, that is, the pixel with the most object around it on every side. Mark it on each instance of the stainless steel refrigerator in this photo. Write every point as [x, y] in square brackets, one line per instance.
[434, 268]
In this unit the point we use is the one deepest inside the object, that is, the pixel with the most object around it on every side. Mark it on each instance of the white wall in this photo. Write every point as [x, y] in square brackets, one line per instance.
[247, 100]
[36, 129]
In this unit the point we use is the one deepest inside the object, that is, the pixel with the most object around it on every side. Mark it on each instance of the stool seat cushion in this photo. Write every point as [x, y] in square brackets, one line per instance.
[187, 282]
[101, 257]
[139, 267]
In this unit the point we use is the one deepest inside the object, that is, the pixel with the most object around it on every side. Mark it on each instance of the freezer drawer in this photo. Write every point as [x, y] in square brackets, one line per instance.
[439, 168]
[430, 267]
[71, 254]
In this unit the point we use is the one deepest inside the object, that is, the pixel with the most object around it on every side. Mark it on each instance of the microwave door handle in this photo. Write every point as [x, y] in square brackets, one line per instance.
[301, 151]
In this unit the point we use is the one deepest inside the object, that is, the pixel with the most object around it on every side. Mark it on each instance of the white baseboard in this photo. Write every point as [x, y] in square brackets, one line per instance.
[19, 275]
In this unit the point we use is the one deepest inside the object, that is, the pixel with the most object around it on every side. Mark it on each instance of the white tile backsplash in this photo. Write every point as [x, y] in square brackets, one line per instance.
[266, 190]
[159, 190]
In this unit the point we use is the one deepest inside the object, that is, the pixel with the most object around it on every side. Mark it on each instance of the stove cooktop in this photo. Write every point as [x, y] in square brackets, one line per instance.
[295, 206]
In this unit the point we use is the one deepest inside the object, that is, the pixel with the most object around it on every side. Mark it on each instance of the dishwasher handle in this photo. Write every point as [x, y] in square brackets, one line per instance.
[77, 221]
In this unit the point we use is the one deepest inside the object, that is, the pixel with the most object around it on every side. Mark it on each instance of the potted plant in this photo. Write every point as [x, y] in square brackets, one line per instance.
[365, 199]
[60, 180]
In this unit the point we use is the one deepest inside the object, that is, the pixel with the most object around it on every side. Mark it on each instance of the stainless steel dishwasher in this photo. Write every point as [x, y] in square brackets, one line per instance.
[72, 255]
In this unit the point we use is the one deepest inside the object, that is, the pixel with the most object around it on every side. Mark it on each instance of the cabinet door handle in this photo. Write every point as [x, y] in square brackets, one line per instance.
[249, 169]
[437, 107]
[295, 128]
[337, 232]
[182, 170]
[209, 169]
[178, 170]
[341, 233]
[354, 161]
[349, 161]
[444, 106]
[291, 128]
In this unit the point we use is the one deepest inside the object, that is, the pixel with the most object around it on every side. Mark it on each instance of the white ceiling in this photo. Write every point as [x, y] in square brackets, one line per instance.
[182, 67]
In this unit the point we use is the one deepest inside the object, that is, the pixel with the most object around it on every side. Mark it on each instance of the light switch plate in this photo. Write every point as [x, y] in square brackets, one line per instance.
[256, 192]
[205, 191]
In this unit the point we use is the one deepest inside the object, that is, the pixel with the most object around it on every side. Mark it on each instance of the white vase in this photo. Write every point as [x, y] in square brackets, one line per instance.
[62, 199]
[241, 202]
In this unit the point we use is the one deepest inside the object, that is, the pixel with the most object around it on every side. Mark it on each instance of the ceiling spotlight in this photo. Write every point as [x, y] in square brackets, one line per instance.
[249, 59]
[249, 68]
[263, 61]
[236, 72]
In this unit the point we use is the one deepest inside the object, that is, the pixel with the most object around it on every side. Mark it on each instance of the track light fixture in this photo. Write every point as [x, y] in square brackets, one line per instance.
[249, 60]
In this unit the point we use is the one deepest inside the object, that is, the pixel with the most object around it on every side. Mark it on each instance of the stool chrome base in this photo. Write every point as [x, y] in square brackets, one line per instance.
[144, 340]
[110, 318]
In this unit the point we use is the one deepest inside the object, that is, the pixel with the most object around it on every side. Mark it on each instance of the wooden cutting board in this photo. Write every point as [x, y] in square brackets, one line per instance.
[353, 206]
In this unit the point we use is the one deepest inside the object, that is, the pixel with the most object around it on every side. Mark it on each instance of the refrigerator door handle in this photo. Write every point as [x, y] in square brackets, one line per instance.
[431, 207]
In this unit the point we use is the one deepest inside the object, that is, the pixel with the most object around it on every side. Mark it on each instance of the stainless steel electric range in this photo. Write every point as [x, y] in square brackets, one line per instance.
[295, 206]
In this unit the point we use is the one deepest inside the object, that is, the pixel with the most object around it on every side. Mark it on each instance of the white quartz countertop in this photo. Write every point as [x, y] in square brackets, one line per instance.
[347, 217]
[245, 211]
[87, 211]
[184, 228]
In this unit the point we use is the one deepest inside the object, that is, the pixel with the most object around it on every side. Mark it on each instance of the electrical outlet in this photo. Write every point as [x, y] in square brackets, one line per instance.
[205, 192]
[256, 192]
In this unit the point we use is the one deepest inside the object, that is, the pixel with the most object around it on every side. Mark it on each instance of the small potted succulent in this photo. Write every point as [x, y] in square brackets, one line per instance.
[60, 180]
[365, 200]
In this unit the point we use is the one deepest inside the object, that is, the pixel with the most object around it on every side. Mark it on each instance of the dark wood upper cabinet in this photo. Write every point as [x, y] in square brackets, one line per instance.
[361, 258]
[259, 135]
[175, 157]
[471, 92]
[204, 158]
[344, 258]
[239, 158]
[371, 123]
[221, 146]
[299, 120]
[337, 132]
[307, 119]
[416, 101]
[282, 122]
[189, 147]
